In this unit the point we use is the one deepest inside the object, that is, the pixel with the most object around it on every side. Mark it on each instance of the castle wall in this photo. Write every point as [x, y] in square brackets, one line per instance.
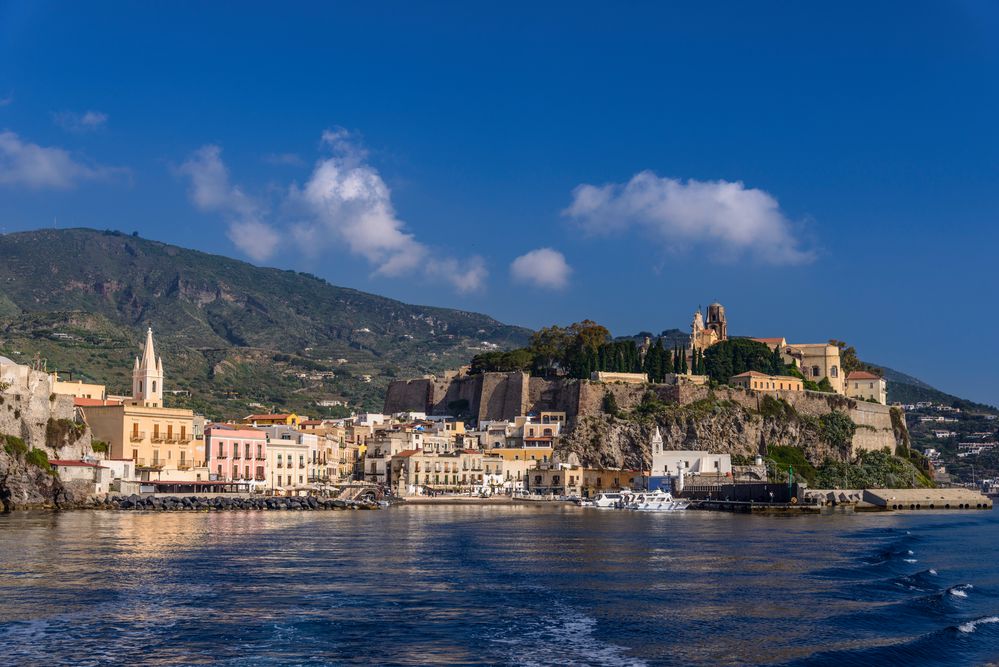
[506, 395]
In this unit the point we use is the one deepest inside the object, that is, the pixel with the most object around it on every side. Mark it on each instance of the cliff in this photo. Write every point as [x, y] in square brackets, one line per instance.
[739, 423]
[36, 425]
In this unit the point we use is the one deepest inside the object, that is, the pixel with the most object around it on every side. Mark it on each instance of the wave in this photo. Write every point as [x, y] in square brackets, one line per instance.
[961, 590]
[971, 626]
[566, 638]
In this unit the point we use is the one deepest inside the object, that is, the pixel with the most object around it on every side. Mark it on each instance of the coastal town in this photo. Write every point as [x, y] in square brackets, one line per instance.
[450, 437]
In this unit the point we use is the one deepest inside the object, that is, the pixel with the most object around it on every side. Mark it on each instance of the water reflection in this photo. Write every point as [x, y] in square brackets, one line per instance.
[484, 585]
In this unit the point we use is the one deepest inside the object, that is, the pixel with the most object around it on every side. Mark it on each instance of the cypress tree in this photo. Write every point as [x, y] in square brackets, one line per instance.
[683, 362]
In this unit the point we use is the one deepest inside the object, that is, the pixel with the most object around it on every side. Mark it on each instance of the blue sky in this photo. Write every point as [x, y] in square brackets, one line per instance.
[825, 172]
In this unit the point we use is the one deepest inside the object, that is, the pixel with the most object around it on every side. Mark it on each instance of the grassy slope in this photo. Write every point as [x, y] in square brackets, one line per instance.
[231, 332]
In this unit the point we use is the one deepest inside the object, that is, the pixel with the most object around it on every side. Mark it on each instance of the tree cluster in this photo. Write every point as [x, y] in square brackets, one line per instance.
[737, 355]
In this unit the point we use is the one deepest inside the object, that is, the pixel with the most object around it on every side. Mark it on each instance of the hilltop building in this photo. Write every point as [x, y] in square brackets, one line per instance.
[704, 335]
[867, 386]
[756, 381]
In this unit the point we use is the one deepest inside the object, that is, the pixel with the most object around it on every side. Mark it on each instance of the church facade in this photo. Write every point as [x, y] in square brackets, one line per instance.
[161, 442]
[815, 360]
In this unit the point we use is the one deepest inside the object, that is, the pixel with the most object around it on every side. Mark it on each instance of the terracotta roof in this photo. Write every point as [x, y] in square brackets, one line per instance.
[92, 402]
[268, 417]
[311, 422]
[769, 340]
[68, 464]
[862, 375]
[751, 374]
[407, 453]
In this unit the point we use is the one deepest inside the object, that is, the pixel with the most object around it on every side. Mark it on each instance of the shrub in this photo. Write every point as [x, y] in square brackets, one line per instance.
[782, 458]
[60, 431]
[837, 429]
[609, 404]
[39, 459]
[99, 446]
[14, 446]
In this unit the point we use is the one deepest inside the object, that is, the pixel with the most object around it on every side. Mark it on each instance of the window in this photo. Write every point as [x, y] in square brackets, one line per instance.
[815, 371]
[154, 386]
[834, 371]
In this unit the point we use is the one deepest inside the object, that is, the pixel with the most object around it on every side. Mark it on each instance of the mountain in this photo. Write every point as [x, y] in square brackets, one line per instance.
[237, 336]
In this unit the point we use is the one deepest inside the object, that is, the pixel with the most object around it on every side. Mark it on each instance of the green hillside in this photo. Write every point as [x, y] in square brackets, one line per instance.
[232, 333]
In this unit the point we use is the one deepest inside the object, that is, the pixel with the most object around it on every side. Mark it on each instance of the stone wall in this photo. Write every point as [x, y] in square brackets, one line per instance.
[26, 408]
[506, 395]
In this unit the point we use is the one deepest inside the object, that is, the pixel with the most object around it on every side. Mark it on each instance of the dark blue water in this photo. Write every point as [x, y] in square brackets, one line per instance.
[517, 585]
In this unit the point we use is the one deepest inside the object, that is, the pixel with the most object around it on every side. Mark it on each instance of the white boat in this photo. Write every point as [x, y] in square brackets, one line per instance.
[654, 501]
[608, 500]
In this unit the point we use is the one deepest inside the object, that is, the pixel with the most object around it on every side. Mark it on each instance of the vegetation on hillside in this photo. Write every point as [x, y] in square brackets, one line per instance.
[235, 336]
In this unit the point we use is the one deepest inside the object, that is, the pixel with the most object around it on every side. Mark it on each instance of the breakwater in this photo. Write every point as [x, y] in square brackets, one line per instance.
[226, 503]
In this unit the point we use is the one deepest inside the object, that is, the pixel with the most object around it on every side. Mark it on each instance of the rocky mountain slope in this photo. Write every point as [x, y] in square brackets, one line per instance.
[232, 333]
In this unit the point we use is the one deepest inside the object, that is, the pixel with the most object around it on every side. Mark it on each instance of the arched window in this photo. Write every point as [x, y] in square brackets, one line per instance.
[154, 386]
[834, 371]
[140, 386]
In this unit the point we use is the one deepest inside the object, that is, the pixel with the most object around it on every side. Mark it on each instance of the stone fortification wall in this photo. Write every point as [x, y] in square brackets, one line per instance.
[506, 395]
[27, 410]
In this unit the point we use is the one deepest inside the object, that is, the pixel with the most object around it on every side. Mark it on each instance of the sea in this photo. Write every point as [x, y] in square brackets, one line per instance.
[532, 584]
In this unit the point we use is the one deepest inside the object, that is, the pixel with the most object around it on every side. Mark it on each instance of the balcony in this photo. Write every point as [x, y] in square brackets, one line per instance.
[184, 465]
[260, 478]
[158, 439]
[279, 465]
[301, 465]
[137, 437]
[261, 457]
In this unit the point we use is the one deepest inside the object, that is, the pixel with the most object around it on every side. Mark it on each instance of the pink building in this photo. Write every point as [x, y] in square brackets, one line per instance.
[235, 452]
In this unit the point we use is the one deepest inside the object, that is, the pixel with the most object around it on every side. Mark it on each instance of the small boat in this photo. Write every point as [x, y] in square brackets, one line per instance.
[654, 501]
[608, 500]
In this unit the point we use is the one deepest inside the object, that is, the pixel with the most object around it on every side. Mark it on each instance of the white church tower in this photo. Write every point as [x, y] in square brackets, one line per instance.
[147, 376]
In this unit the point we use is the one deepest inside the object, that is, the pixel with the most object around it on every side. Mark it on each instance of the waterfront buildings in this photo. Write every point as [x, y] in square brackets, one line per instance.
[161, 442]
[236, 453]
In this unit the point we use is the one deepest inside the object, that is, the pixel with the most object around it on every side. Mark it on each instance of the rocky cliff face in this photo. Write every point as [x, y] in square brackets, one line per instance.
[716, 426]
[36, 419]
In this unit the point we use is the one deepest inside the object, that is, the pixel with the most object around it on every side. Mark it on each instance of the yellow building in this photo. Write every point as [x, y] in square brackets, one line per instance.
[756, 381]
[527, 453]
[78, 388]
[160, 441]
[867, 386]
[279, 419]
[596, 480]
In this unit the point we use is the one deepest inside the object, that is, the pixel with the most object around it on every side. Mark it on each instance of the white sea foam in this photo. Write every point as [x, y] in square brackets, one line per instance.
[970, 626]
[961, 590]
[933, 572]
[568, 639]
[910, 560]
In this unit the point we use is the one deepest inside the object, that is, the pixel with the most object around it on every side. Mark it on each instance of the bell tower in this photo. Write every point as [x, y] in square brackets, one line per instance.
[147, 376]
[716, 320]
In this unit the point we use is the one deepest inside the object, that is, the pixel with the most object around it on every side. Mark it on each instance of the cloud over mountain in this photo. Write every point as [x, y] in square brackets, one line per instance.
[543, 267]
[36, 167]
[724, 219]
[344, 203]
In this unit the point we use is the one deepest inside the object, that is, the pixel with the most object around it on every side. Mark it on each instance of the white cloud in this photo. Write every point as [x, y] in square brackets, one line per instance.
[77, 122]
[23, 163]
[543, 267]
[344, 204]
[211, 191]
[726, 219]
